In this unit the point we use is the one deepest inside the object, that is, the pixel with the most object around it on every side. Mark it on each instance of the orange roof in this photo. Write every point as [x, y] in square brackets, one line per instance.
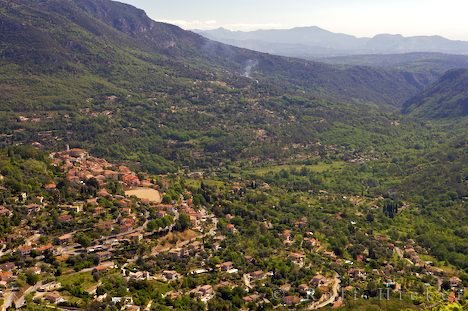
[102, 268]
[50, 186]
[25, 248]
[44, 247]
[5, 275]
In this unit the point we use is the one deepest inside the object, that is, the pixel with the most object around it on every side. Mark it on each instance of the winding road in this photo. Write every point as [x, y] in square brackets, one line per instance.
[333, 297]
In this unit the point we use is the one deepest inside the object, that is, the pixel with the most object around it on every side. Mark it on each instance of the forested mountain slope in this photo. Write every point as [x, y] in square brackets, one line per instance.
[99, 37]
[102, 75]
[446, 98]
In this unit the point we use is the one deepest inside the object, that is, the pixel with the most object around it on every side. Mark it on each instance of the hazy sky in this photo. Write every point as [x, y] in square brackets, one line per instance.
[448, 18]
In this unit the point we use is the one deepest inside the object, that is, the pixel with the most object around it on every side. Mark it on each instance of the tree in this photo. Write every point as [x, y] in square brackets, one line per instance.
[32, 278]
[83, 239]
[183, 223]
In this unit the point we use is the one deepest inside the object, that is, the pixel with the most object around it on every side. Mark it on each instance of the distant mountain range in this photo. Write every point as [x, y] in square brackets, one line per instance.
[315, 42]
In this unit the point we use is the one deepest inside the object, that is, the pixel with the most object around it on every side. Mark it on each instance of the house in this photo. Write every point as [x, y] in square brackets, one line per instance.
[178, 252]
[44, 248]
[22, 197]
[123, 300]
[131, 180]
[231, 228]
[310, 242]
[285, 287]
[124, 169]
[50, 186]
[66, 238]
[286, 235]
[167, 207]
[103, 193]
[35, 270]
[303, 289]
[52, 286]
[126, 210]
[410, 252]
[65, 218]
[171, 275]
[104, 255]
[105, 266]
[204, 292]
[291, 300]
[300, 224]
[54, 298]
[146, 184]
[139, 275]
[4, 211]
[122, 203]
[6, 276]
[109, 174]
[318, 280]
[78, 153]
[99, 210]
[161, 214]
[225, 266]
[455, 281]
[24, 250]
[257, 275]
[135, 237]
[92, 202]
[195, 246]
[252, 298]
[33, 208]
[126, 224]
[297, 258]
[77, 208]
[8, 266]
[357, 274]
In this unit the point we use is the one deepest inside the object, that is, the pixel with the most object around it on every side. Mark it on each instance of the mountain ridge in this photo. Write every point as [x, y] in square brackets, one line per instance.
[135, 30]
[287, 42]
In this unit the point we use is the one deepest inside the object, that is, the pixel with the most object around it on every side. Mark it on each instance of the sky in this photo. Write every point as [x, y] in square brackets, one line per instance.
[362, 18]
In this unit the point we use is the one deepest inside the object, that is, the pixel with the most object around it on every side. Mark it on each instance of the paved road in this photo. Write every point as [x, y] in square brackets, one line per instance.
[246, 278]
[333, 297]
[399, 252]
[19, 302]
[8, 297]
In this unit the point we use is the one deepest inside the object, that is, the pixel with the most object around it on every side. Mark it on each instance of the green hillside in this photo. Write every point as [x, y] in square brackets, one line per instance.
[448, 97]
[102, 75]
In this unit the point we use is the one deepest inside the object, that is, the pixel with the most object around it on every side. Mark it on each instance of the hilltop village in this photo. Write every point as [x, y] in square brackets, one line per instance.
[101, 235]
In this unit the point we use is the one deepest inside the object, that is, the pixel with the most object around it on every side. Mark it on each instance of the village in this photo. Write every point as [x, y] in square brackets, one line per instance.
[122, 224]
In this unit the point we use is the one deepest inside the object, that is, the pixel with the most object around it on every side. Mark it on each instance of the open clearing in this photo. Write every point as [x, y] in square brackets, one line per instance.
[145, 194]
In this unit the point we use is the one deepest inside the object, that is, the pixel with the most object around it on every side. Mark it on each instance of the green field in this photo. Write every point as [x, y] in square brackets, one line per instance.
[83, 279]
[316, 168]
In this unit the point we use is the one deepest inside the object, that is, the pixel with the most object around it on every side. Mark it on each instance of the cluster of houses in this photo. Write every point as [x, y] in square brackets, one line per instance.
[80, 166]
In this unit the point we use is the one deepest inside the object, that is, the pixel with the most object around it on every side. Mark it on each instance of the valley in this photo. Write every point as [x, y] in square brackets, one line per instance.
[145, 167]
